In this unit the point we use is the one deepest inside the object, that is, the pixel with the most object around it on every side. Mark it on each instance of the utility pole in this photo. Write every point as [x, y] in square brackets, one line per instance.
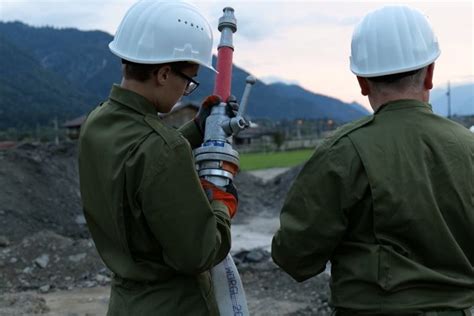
[298, 128]
[56, 136]
[38, 139]
[448, 94]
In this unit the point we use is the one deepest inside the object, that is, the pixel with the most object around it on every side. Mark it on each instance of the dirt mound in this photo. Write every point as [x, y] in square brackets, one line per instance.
[45, 247]
[40, 190]
[46, 261]
[262, 198]
[270, 291]
[254, 197]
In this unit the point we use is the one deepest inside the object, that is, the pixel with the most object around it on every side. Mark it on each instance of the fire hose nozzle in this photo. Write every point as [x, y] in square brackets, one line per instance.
[227, 26]
[228, 20]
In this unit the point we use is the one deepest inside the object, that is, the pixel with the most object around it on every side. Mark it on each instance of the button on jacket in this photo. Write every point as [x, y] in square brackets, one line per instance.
[389, 200]
[150, 220]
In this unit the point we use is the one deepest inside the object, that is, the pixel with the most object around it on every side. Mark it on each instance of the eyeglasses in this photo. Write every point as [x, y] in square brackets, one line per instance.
[192, 84]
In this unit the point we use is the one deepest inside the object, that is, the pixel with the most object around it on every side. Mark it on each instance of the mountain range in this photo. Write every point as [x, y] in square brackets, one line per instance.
[48, 73]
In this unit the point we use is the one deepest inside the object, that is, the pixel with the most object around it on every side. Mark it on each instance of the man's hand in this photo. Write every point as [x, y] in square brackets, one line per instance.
[232, 108]
[205, 111]
[228, 197]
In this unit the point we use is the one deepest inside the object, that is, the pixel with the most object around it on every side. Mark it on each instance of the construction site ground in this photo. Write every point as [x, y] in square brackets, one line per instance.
[49, 265]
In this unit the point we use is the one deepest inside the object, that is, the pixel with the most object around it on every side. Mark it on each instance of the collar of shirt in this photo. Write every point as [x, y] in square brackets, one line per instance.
[132, 100]
[402, 104]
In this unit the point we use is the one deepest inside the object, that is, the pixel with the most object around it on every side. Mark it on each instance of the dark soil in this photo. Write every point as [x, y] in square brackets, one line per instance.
[45, 245]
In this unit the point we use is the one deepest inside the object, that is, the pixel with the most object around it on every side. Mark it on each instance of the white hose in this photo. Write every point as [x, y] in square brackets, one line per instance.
[228, 289]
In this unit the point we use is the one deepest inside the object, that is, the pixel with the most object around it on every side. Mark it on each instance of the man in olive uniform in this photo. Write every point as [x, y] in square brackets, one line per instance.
[389, 199]
[151, 221]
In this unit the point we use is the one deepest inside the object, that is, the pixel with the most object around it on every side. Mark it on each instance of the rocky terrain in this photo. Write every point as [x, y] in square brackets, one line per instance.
[49, 265]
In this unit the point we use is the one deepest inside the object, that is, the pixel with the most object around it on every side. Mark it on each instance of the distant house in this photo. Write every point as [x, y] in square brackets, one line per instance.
[74, 126]
[7, 144]
[252, 134]
[180, 114]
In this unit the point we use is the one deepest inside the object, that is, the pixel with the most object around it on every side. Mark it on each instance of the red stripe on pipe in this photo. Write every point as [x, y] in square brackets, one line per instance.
[224, 77]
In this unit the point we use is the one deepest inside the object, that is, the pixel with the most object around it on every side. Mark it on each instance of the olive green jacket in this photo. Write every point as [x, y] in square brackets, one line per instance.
[150, 220]
[389, 200]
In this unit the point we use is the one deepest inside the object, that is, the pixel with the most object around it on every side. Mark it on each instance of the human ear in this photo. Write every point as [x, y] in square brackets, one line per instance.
[163, 74]
[364, 86]
[428, 81]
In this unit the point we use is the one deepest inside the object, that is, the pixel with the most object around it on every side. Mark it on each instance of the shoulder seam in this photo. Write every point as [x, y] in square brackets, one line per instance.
[170, 139]
[347, 129]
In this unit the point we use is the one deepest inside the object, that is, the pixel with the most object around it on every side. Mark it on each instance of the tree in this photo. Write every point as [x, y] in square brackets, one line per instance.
[278, 139]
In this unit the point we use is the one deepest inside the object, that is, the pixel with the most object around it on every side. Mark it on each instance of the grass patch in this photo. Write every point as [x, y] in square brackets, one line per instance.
[283, 159]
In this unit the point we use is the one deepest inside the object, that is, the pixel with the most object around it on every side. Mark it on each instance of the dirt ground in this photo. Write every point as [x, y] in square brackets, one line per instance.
[49, 265]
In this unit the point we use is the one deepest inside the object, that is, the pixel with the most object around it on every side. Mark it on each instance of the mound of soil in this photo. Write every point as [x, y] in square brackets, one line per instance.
[258, 198]
[40, 191]
[45, 247]
[46, 261]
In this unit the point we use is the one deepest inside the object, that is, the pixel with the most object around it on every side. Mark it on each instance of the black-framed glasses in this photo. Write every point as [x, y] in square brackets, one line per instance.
[192, 84]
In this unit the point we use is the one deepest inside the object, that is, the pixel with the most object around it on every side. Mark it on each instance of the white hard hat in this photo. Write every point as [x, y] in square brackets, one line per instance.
[391, 40]
[157, 32]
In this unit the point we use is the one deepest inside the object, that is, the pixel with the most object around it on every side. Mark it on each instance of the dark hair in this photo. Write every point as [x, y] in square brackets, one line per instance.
[143, 72]
[395, 77]
[398, 82]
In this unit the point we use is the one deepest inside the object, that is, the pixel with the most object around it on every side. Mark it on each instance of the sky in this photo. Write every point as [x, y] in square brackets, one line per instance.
[299, 42]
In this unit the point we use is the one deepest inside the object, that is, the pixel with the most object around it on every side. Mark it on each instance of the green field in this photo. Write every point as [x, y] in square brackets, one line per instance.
[255, 161]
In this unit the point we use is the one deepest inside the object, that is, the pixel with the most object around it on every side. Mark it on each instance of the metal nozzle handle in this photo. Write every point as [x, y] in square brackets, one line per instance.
[251, 80]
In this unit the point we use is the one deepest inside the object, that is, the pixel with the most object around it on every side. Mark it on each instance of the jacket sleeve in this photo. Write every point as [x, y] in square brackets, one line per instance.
[313, 219]
[191, 132]
[193, 233]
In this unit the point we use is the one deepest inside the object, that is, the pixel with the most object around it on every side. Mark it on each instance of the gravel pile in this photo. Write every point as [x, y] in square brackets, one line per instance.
[46, 261]
[45, 245]
[40, 191]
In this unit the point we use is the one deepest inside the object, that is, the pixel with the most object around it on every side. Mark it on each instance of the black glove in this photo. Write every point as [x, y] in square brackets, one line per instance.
[233, 108]
[230, 188]
[205, 111]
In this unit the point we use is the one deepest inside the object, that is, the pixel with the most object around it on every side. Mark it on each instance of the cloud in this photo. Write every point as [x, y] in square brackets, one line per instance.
[262, 20]
[85, 15]
[276, 79]
[257, 20]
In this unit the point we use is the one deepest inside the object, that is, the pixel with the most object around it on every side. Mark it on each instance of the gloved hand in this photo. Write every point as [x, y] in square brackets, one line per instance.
[228, 197]
[230, 188]
[233, 108]
[205, 111]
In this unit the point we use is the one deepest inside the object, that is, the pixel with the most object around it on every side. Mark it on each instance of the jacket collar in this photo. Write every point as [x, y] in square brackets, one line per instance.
[402, 104]
[132, 100]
